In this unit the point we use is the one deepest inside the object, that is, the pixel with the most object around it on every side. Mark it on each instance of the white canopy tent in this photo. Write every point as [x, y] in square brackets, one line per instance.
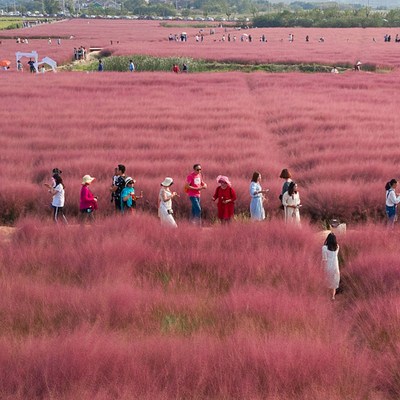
[34, 55]
[49, 61]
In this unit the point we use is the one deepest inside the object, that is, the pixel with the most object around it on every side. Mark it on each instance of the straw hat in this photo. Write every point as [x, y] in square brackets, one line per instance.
[167, 182]
[87, 179]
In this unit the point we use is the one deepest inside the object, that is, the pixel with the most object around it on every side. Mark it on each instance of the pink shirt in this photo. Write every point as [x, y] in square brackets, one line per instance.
[87, 199]
[194, 180]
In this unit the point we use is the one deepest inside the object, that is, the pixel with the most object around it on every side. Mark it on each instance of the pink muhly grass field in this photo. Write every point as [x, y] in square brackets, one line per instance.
[135, 311]
[150, 37]
[340, 141]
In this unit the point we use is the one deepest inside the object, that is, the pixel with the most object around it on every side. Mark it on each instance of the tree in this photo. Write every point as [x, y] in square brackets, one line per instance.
[51, 6]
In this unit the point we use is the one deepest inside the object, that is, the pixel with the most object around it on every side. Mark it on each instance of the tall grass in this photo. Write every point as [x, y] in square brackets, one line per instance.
[135, 311]
[340, 143]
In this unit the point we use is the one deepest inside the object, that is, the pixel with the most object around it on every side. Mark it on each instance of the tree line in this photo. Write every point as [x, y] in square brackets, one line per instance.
[329, 18]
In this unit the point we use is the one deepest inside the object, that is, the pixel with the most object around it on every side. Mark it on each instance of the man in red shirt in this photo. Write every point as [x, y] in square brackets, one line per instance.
[175, 68]
[194, 186]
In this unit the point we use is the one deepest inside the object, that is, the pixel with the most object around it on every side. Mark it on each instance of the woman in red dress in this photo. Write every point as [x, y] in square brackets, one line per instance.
[226, 197]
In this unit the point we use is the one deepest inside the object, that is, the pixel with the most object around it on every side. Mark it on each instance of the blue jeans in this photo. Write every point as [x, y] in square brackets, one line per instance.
[196, 208]
[391, 214]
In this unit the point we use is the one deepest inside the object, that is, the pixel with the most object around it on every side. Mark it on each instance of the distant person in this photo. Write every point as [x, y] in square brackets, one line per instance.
[257, 211]
[165, 211]
[225, 196]
[88, 202]
[392, 199]
[330, 251]
[334, 70]
[291, 204]
[287, 176]
[20, 66]
[131, 66]
[357, 66]
[118, 185]
[307, 38]
[58, 192]
[31, 64]
[176, 69]
[193, 187]
[185, 68]
[100, 67]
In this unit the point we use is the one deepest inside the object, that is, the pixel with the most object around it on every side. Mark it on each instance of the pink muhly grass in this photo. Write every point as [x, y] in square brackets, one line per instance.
[252, 123]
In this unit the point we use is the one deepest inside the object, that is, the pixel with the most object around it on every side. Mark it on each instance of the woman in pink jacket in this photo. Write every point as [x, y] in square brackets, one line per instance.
[88, 202]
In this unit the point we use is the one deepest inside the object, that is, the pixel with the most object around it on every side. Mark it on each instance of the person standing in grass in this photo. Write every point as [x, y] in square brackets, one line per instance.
[88, 202]
[58, 191]
[257, 211]
[118, 185]
[128, 196]
[100, 67]
[330, 251]
[194, 186]
[291, 204]
[287, 176]
[226, 196]
[131, 66]
[165, 197]
[391, 202]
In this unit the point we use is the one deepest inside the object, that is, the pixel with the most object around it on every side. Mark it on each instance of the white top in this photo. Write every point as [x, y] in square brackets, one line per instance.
[59, 196]
[165, 193]
[331, 264]
[291, 204]
[391, 198]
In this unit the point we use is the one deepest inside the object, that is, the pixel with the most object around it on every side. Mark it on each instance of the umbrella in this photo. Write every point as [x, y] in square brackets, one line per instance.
[5, 63]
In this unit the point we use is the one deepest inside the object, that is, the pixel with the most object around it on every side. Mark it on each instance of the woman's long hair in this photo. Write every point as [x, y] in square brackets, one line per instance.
[390, 184]
[291, 187]
[255, 176]
[331, 242]
[57, 179]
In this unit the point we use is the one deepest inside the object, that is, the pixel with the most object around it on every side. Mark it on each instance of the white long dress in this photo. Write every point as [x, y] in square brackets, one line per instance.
[292, 215]
[331, 265]
[257, 211]
[165, 208]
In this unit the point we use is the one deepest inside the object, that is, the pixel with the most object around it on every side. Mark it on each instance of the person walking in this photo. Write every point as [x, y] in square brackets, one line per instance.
[165, 197]
[131, 66]
[291, 204]
[226, 196]
[391, 202]
[100, 67]
[88, 202]
[330, 251]
[257, 212]
[194, 186]
[57, 189]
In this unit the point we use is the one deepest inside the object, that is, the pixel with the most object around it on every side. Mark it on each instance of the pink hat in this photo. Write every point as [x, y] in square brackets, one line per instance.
[224, 179]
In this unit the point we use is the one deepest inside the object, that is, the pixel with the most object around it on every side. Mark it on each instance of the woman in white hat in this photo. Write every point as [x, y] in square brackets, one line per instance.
[88, 202]
[128, 196]
[165, 203]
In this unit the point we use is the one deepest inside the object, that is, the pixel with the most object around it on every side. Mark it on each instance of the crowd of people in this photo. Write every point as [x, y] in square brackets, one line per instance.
[124, 197]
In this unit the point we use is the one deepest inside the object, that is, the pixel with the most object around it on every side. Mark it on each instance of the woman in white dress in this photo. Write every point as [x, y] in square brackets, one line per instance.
[330, 251]
[291, 203]
[165, 203]
[257, 211]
